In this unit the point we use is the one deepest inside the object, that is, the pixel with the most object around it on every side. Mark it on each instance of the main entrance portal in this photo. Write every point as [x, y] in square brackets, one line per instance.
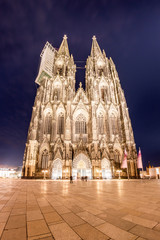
[82, 167]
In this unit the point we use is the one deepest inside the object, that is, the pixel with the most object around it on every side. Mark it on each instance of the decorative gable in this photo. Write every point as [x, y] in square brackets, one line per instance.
[80, 95]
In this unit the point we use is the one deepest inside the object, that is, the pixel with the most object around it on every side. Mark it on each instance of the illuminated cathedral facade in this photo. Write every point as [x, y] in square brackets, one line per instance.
[83, 132]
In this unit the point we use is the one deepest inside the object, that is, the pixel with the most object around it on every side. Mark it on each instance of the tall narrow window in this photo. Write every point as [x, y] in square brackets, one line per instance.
[100, 124]
[104, 93]
[114, 124]
[116, 156]
[45, 158]
[80, 125]
[48, 124]
[56, 94]
[60, 129]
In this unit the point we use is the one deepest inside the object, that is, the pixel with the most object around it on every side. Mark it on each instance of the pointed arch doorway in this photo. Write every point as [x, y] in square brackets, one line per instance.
[57, 169]
[82, 167]
[106, 169]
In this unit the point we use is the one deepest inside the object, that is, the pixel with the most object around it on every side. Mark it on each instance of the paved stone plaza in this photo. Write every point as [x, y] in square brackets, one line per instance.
[111, 209]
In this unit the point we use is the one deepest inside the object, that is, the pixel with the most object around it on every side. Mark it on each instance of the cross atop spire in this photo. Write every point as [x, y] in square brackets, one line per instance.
[64, 50]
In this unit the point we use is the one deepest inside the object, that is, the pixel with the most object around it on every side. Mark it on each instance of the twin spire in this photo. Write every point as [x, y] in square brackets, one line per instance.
[95, 49]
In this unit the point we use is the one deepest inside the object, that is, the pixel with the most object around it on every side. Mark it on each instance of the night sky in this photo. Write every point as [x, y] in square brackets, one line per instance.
[128, 31]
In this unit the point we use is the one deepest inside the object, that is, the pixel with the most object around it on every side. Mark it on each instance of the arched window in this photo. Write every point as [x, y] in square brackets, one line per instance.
[100, 124]
[60, 129]
[47, 124]
[45, 158]
[80, 125]
[114, 124]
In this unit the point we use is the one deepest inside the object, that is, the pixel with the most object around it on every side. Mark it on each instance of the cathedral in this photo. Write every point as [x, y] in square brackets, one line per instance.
[78, 133]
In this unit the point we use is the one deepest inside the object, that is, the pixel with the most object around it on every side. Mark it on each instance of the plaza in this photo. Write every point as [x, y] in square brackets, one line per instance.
[92, 210]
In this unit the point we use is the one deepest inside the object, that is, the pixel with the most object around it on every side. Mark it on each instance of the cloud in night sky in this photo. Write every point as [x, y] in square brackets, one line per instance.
[127, 30]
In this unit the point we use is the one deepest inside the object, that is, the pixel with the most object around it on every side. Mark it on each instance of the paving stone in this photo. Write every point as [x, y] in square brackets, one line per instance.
[4, 216]
[146, 232]
[62, 231]
[47, 209]
[52, 217]
[18, 205]
[119, 222]
[90, 218]
[18, 211]
[34, 215]
[61, 209]
[151, 217]
[87, 232]
[140, 221]
[16, 222]
[47, 236]
[14, 234]
[115, 232]
[6, 209]
[75, 209]
[92, 210]
[37, 227]
[72, 219]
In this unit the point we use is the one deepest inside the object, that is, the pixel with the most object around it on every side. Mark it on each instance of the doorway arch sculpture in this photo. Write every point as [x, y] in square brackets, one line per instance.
[82, 166]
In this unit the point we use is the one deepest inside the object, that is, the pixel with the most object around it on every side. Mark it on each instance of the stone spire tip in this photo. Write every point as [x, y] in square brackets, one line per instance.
[65, 36]
[80, 85]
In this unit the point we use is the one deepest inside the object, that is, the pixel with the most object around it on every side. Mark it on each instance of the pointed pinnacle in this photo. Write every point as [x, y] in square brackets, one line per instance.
[64, 50]
[80, 85]
[95, 49]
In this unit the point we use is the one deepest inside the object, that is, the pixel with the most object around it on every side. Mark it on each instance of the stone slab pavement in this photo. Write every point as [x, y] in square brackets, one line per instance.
[93, 210]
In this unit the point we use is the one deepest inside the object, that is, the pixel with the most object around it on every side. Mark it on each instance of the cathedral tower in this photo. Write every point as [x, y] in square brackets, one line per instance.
[83, 132]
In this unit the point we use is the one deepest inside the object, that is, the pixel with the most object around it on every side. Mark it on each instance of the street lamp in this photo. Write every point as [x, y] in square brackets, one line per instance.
[44, 171]
[119, 171]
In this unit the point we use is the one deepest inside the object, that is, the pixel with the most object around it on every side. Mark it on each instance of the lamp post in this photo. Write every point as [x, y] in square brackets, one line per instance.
[44, 172]
[119, 171]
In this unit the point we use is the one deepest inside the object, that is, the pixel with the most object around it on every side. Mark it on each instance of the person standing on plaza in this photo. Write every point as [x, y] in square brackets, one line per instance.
[71, 179]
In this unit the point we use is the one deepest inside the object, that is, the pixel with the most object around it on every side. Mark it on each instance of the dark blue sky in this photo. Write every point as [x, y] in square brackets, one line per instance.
[129, 32]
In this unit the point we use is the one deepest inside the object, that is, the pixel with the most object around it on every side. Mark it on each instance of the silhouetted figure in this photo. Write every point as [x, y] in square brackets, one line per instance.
[71, 179]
